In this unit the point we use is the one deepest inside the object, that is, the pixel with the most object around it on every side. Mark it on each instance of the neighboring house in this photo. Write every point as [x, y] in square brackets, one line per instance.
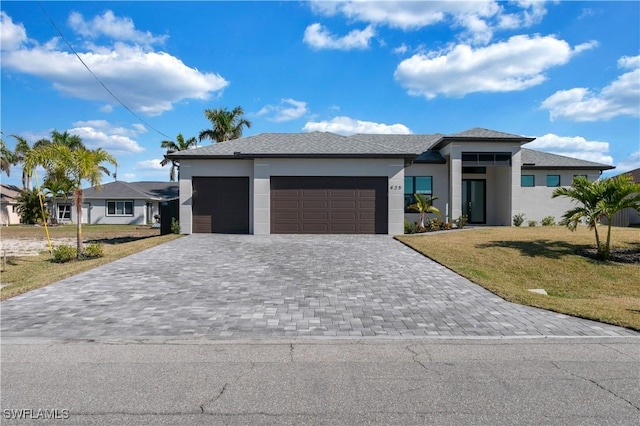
[628, 217]
[125, 203]
[9, 204]
[326, 183]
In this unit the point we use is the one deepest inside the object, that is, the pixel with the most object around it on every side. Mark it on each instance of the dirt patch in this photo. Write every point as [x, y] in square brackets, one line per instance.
[30, 246]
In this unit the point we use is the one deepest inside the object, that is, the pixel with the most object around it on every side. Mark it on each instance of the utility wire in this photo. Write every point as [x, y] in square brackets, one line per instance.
[98, 79]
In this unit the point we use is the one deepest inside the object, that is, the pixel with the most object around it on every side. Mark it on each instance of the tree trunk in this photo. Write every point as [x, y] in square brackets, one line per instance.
[77, 200]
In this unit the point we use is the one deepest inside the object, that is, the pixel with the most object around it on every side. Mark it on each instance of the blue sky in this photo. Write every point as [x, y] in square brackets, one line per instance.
[565, 72]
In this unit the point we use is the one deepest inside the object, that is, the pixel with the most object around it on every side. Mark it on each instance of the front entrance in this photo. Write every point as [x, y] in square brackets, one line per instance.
[474, 200]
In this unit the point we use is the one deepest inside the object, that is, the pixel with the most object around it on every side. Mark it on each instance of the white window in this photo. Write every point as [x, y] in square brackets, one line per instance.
[64, 212]
[119, 208]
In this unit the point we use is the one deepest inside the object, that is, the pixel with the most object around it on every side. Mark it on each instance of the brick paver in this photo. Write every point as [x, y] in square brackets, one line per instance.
[245, 286]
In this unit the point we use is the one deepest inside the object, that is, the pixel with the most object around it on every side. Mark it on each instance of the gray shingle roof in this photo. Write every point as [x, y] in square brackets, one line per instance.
[9, 193]
[135, 191]
[543, 160]
[478, 132]
[293, 144]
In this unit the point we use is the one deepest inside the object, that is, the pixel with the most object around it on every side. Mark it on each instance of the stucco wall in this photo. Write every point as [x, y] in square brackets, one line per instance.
[94, 211]
[7, 215]
[536, 202]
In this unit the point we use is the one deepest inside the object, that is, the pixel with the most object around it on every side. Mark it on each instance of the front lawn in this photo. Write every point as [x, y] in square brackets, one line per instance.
[25, 273]
[508, 261]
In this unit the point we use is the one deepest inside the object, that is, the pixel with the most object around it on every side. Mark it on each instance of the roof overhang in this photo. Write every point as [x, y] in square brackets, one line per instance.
[446, 140]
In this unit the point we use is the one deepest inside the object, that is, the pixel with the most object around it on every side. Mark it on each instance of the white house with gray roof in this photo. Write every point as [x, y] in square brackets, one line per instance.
[125, 203]
[327, 183]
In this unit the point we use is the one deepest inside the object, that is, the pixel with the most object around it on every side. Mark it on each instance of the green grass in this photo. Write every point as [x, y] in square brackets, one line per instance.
[27, 273]
[508, 261]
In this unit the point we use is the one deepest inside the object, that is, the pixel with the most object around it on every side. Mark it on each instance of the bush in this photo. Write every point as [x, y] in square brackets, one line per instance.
[532, 223]
[434, 225]
[460, 222]
[549, 221]
[409, 227]
[93, 250]
[518, 219]
[175, 225]
[63, 254]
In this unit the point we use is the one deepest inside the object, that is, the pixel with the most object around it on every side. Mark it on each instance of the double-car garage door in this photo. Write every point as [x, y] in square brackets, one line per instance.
[299, 205]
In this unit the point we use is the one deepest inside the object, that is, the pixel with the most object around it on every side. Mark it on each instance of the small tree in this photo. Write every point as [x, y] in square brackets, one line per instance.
[226, 125]
[171, 147]
[29, 207]
[602, 198]
[81, 164]
[424, 205]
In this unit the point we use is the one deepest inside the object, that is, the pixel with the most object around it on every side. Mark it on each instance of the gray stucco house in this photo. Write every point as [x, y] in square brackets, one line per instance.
[327, 183]
[123, 203]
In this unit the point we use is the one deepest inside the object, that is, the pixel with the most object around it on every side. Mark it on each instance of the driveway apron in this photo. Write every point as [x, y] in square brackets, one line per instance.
[246, 286]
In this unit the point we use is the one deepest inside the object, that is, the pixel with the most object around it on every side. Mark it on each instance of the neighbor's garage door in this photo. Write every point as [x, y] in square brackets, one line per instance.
[329, 205]
[220, 205]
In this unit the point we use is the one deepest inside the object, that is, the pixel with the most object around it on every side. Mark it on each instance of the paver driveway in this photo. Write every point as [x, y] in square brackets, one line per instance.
[243, 286]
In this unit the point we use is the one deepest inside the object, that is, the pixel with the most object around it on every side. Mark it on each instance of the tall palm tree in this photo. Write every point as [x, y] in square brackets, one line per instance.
[81, 164]
[424, 205]
[172, 146]
[20, 151]
[227, 125]
[65, 138]
[7, 158]
[600, 199]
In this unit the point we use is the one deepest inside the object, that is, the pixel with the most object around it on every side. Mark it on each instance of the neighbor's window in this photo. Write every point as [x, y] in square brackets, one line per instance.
[64, 212]
[527, 180]
[119, 208]
[553, 180]
[416, 185]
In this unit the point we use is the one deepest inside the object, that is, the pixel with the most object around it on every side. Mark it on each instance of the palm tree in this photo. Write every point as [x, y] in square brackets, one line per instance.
[599, 199]
[424, 205]
[227, 125]
[20, 151]
[171, 147]
[7, 158]
[65, 138]
[30, 207]
[81, 164]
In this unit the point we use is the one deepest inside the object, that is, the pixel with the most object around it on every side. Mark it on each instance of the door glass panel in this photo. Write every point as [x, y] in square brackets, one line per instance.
[477, 201]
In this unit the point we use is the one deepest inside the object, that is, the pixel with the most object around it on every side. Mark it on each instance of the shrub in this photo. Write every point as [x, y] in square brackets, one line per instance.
[175, 225]
[63, 254]
[549, 221]
[518, 219]
[434, 225]
[532, 223]
[93, 250]
[409, 227]
[460, 222]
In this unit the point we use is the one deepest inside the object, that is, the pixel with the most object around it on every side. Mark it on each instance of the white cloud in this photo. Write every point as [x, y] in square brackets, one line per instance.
[349, 126]
[620, 98]
[515, 64]
[632, 162]
[289, 109]
[152, 165]
[573, 146]
[12, 36]
[146, 81]
[401, 50]
[318, 37]
[101, 134]
[479, 19]
[113, 27]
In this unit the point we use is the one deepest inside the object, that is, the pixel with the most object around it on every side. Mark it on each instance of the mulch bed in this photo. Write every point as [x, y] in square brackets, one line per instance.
[617, 255]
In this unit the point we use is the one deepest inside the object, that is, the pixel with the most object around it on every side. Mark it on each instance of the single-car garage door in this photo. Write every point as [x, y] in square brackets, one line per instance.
[220, 205]
[329, 205]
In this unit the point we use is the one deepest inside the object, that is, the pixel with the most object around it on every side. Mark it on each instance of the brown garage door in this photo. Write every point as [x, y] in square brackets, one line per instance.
[329, 205]
[220, 205]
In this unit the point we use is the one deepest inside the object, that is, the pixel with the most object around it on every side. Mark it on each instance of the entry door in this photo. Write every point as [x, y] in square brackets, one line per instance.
[474, 197]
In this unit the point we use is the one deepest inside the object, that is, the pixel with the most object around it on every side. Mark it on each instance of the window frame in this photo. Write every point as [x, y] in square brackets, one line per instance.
[115, 208]
[533, 181]
[409, 197]
[64, 212]
[554, 186]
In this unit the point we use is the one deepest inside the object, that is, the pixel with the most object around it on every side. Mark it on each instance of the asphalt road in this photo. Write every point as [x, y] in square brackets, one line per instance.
[390, 381]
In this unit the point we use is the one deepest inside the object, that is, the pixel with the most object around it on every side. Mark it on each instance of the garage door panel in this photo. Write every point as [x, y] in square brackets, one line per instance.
[341, 205]
[220, 205]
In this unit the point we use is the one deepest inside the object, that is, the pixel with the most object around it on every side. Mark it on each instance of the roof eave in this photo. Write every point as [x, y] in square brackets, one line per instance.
[589, 167]
[449, 139]
[304, 155]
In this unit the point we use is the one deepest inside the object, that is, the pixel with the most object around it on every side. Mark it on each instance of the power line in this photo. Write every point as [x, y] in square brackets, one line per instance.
[98, 79]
